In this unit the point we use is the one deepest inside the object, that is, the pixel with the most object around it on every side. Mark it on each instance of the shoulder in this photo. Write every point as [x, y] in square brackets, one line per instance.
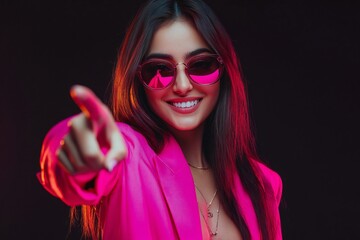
[271, 180]
[137, 145]
[126, 129]
[131, 136]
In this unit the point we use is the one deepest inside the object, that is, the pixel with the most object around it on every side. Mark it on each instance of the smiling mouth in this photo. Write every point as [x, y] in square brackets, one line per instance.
[185, 104]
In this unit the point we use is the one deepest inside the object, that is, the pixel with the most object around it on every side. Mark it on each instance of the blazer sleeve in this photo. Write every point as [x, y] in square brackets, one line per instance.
[71, 189]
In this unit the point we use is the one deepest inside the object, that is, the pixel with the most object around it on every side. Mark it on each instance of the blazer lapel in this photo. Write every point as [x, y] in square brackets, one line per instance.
[247, 209]
[179, 190]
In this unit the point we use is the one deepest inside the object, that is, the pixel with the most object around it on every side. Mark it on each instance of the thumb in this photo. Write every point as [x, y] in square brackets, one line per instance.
[117, 151]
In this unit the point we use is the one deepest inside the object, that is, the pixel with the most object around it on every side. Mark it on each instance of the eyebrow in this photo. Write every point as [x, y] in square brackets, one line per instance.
[169, 57]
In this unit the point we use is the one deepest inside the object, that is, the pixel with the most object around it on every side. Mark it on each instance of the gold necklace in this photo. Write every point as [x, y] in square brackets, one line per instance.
[210, 214]
[212, 234]
[201, 168]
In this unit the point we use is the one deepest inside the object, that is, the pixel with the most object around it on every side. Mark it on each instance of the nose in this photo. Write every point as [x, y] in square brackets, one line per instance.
[182, 83]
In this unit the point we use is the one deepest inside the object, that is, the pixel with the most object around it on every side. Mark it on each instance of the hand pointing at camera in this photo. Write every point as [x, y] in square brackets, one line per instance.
[92, 131]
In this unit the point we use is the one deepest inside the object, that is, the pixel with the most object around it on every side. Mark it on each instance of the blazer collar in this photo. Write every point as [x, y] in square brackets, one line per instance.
[178, 186]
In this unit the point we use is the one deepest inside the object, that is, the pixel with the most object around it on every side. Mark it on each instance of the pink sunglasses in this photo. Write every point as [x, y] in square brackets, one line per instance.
[157, 73]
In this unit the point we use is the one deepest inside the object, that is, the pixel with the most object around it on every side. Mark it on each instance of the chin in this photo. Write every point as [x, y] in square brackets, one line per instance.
[186, 126]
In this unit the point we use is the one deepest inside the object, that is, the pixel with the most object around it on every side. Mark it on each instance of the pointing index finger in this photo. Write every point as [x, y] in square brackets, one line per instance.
[88, 102]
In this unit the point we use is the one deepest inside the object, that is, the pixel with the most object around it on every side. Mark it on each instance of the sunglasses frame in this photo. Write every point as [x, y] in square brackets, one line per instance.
[185, 63]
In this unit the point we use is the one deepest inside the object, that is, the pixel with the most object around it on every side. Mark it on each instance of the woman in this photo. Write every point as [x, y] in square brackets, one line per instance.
[179, 162]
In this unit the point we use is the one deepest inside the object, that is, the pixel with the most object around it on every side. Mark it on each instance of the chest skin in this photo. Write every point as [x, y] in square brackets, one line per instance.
[221, 222]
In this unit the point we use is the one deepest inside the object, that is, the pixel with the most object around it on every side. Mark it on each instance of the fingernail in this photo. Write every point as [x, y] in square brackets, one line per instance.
[110, 164]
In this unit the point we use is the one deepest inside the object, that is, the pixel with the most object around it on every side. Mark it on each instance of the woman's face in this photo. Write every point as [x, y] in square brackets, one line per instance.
[183, 105]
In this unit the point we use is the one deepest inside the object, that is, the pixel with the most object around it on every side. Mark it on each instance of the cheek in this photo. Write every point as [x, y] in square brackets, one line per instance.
[153, 99]
[213, 101]
[213, 93]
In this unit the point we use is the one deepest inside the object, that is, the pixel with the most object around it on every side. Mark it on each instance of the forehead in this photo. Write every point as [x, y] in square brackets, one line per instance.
[176, 38]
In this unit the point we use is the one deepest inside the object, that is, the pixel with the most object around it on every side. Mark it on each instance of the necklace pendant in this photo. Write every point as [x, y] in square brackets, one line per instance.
[210, 214]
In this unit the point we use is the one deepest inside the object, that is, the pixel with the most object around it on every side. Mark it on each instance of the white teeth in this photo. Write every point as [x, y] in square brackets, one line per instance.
[186, 104]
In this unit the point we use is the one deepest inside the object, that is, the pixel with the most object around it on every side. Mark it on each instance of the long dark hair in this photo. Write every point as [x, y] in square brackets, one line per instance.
[228, 143]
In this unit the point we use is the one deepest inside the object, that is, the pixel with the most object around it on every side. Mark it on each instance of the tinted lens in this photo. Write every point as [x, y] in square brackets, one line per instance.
[157, 74]
[204, 69]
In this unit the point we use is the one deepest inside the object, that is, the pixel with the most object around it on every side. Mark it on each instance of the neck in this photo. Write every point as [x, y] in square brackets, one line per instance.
[191, 145]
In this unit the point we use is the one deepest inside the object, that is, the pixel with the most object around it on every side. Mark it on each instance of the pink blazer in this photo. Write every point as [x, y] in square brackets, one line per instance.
[148, 195]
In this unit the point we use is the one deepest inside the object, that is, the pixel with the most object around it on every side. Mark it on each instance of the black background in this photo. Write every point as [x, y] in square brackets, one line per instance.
[301, 64]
